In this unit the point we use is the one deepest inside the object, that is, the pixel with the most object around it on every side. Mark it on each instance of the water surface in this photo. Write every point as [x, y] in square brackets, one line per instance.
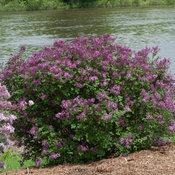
[135, 28]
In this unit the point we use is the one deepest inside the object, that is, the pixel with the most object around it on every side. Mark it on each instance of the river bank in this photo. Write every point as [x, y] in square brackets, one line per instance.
[24, 5]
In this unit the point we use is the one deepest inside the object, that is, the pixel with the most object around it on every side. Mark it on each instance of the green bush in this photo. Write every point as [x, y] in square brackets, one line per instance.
[88, 98]
[12, 6]
[15, 5]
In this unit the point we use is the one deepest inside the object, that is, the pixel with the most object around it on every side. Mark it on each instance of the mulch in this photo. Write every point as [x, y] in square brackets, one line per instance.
[157, 161]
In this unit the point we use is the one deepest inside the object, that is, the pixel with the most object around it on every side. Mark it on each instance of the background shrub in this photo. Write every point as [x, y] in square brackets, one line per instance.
[88, 98]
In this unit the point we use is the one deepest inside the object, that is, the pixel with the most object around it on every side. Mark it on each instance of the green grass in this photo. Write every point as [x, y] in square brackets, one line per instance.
[11, 160]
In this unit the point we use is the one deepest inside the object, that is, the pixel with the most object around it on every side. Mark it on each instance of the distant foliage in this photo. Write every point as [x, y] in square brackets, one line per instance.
[16, 5]
[6, 119]
[89, 98]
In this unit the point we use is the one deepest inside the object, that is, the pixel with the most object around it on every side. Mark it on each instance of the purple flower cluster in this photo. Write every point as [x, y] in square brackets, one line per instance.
[171, 126]
[54, 156]
[38, 162]
[83, 147]
[127, 140]
[111, 63]
[78, 106]
[6, 119]
[163, 142]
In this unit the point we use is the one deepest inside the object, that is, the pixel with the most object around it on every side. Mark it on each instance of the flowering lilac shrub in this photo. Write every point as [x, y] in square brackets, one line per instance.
[6, 119]
[88, 98]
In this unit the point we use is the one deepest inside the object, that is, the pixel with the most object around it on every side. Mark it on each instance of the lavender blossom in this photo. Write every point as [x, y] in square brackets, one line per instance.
[54, 156]
[38, 162]
[171, 126]
[127, 140]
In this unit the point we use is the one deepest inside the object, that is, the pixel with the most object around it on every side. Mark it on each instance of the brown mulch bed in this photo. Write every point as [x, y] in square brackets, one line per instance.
[157, 161]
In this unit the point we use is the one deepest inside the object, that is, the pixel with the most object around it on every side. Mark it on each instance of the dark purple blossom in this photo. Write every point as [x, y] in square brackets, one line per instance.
[83, 147]
[54, 156]
[171, 126]
[122, 122]
[38, 162]
[106, 117]
[33, 130]
[163, 142]
[59, 144]
[127, 140]
[1, 164]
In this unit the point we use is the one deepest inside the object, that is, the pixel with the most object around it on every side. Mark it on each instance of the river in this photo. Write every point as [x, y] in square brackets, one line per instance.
[134, 27]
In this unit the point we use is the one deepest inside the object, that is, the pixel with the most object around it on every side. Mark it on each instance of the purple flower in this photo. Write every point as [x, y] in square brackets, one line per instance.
[38, 162]
[54, 156]
[54, 69]
[5, 105]
[106, 117]
[65, 104]
[171, 126]
[36, 82]
[163, 142]
[4, 94]
[112, 105]
[93, 78]
[2, 117]
[67, 75]
[81, 116]
[83, 148]
[43, 96]
[122, 122]
[104, 83]
[91, 101]
[102, 96]
[96, 54]
[11, 118]
[145, 95]
[6, 119]
[149, 116]
[115, 90]
[59, 144]
[78, 85]
[160, 119]
[7, 128]
[33, 130]
[45, 145]
[62, 115]
[1, 164]
[22, 104]
[126, 140]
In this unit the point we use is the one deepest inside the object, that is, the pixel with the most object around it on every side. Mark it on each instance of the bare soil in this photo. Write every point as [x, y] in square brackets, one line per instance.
[157, 161]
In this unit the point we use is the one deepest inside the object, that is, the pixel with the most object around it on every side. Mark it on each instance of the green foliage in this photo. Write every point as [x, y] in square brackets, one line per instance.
[15, 5]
